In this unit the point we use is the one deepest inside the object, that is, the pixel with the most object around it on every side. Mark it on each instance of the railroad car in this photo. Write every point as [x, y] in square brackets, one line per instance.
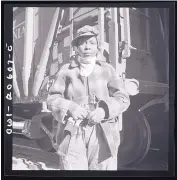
[135, 41]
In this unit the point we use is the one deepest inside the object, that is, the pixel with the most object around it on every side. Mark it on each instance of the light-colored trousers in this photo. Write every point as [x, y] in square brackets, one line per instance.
[88, 150]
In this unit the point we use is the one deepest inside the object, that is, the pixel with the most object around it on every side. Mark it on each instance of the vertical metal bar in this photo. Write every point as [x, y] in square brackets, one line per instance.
[113, 40]
[71, 29]
[113, 48]
[166, 32]
[125, 36]
[35, 36]
[28, 48]
[36, 23]
[147, 31]
[122, 39]
[122, 24]
[126, 17]
[101, 28]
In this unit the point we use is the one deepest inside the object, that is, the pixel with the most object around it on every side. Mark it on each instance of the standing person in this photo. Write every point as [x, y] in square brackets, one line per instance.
[78, 83]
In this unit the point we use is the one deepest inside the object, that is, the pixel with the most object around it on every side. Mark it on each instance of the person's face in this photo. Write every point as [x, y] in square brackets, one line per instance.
[87, 46]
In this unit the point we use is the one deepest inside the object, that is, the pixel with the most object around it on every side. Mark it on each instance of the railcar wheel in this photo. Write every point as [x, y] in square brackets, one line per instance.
[135, 138]
[45, 144]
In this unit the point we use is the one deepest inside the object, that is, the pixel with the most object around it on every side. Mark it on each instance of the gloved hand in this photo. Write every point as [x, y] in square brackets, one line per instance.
[96, 116]
[77, 112]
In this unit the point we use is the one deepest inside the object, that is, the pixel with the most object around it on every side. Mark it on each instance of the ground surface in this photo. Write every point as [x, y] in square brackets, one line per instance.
[28, 150]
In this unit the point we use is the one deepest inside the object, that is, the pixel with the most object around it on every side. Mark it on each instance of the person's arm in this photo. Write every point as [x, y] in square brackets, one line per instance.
[119, 100]
[56, 101]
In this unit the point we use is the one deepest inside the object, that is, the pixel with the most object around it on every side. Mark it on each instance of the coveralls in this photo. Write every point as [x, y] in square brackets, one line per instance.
[88, 149]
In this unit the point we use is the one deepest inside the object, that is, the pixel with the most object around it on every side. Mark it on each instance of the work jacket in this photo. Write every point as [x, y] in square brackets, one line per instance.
[70, 88]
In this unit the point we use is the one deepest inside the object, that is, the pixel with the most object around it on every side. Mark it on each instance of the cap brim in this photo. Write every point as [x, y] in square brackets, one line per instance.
[74, 41]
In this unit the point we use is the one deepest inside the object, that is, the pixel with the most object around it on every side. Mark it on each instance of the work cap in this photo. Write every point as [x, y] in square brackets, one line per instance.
[84, 31]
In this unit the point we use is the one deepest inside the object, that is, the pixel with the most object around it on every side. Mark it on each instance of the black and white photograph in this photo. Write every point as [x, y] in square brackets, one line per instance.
[91, 88]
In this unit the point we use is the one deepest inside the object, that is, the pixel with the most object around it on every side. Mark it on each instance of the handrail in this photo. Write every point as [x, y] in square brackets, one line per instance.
[101, 28]
[71, 30]
[114, 39]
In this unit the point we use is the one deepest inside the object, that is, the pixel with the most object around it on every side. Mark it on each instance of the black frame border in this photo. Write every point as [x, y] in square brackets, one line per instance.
[7, 15]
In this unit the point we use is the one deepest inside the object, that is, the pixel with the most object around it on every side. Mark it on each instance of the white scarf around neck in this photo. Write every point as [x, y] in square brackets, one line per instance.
[86, 65]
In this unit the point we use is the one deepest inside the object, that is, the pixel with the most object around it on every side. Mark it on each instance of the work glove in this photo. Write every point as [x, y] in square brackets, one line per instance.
[96, 116]
[77, 112]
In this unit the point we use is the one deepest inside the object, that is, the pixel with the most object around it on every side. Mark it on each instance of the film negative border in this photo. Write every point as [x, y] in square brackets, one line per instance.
[7, 69]
[8, 87]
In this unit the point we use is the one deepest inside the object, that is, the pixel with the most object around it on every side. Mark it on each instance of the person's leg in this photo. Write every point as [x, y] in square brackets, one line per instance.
[76, 158]
[109, 164]
[97, 150]
[98, 156]
[92, 145]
